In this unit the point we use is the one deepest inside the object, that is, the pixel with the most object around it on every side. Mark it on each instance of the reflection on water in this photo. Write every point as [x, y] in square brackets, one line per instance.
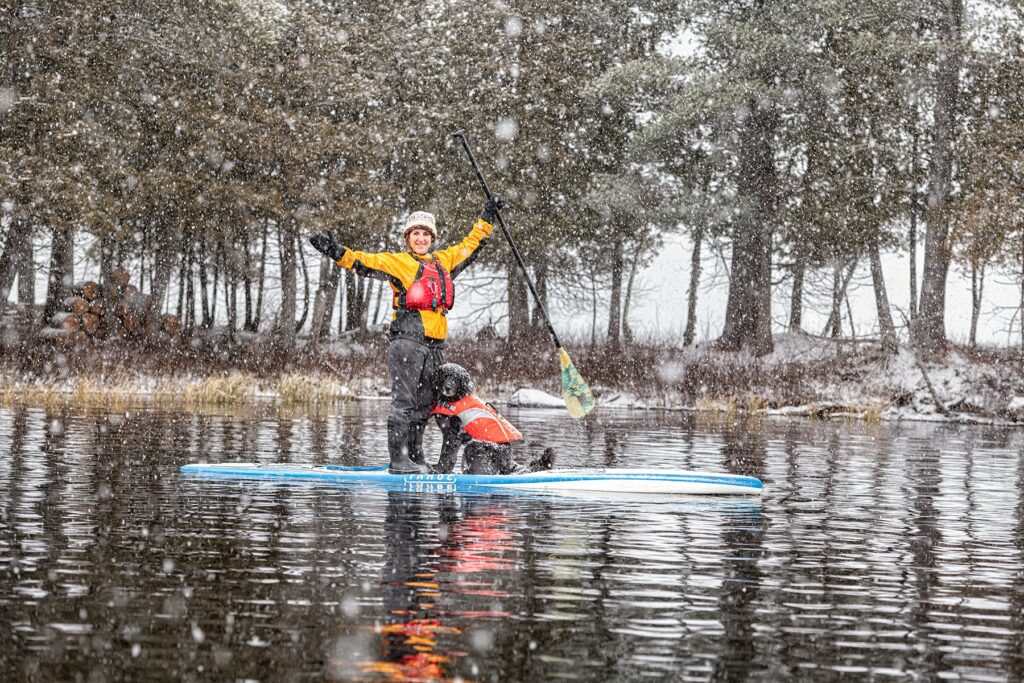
[875, 552]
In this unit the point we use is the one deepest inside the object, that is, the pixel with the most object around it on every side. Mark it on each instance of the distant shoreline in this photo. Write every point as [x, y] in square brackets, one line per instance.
[805, 377]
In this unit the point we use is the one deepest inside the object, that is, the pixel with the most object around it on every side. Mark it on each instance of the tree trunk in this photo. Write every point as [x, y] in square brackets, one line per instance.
[849, 315]
[108, 265]
[691, 298]
[615, 300]
[840, 283]
[286, 321]
[182, 272]
[833, 327]
[233, 305]
[324, 300]
[593, 312]
[19, 235]
[885, 324]
[26, 275]
[928, 332]
[190, 292]
[977, 284]
[913, 259]
[913, 228]
[207, 319]
[355, 298]
[61, 271]
[229, 291]
[748, 321]
[796, 297]
[260, 285]
[344, 277]
[627, 331]
[142, 259]
[518, 307]
[817, 168]
[305, 286]
[163, 267]
[213, 288]
[351, 283]
[380, 297]
[540, 273]
[247, 286]
[364, 310]
[1020, 313]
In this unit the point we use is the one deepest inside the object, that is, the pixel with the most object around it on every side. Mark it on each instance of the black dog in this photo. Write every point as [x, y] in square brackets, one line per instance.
[466, 420]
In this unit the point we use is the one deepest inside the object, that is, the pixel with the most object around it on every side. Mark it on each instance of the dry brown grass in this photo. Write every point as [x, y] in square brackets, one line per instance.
[756, 404]
[299, 389]
[874, 411]
[236, 389]
[30, 393]
[218, 390]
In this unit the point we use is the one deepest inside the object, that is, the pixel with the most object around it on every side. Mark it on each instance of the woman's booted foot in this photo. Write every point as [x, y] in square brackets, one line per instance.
[398, 449]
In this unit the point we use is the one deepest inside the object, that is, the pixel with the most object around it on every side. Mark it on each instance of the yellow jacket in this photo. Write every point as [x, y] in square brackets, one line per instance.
[400, 269]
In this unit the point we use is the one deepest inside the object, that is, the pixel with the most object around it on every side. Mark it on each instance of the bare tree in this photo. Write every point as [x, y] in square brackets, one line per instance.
[928, 331]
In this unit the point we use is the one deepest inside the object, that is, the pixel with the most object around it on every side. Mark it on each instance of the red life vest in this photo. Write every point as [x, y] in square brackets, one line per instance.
[431, 290]
[480, 421]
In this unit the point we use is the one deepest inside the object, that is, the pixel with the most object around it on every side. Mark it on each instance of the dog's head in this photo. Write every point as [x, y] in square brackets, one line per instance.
[452, 382]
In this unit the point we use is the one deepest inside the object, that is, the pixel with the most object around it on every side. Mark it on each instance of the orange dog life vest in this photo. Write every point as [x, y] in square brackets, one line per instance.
[480, 421]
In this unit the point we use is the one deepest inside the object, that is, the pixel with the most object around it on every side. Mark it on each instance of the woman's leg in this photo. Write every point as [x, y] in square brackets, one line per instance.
[406, 361]
[424, 404]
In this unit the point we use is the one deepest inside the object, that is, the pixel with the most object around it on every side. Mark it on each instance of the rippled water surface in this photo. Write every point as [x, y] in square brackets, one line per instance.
[887, 551]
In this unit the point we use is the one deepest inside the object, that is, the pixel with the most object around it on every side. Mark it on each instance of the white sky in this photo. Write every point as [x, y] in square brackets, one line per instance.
[659, 309]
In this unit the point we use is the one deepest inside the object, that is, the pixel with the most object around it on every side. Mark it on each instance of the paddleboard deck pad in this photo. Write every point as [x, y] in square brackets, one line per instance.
[611, 480]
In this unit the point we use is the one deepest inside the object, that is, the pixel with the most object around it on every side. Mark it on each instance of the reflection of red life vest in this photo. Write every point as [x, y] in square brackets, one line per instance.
[483, 541]
[431, 290]
[480, 421]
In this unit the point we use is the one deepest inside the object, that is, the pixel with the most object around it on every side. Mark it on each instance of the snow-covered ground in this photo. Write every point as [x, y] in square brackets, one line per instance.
[843, 378]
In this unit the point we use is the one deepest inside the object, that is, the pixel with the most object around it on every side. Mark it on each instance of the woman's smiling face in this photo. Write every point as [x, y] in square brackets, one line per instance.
[419, 240]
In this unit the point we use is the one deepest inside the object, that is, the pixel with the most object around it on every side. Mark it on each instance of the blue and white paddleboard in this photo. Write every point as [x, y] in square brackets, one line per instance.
[617, 481]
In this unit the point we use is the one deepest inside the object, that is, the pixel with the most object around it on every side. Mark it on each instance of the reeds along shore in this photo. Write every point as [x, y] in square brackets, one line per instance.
[218, 391]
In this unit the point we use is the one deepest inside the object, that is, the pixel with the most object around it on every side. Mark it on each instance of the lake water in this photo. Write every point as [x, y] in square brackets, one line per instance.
[877, 551]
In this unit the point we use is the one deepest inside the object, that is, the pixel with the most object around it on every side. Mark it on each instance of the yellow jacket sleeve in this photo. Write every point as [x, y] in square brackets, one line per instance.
[457, 254]
[397, 265]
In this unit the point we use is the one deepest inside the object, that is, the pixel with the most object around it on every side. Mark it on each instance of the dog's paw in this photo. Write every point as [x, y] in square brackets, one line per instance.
[545, 462]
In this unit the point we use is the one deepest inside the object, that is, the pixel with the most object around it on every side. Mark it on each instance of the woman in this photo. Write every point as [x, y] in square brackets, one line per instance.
[423, 288]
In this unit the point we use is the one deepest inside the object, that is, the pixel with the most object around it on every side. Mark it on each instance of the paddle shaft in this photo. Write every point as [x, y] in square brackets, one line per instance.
[461, 135]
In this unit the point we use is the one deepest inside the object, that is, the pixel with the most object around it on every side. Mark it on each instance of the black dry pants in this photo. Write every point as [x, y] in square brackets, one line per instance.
[411, 366]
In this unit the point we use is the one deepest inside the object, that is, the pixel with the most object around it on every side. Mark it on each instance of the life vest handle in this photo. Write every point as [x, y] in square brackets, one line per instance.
[440, 278]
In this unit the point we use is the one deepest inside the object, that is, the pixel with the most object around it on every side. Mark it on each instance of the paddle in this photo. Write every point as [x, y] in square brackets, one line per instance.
[578, 399]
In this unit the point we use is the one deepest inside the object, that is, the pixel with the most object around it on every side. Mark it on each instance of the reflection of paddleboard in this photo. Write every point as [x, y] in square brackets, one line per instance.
[631, 481]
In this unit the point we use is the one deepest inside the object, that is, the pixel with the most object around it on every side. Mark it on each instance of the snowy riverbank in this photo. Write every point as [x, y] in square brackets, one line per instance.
[804, 376]
[820, 378]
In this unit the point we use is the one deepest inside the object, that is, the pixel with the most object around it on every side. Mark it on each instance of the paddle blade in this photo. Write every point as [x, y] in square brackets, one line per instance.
[578, 399]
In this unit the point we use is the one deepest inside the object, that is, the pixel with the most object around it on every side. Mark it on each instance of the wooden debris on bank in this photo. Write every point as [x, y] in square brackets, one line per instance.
[118, 310]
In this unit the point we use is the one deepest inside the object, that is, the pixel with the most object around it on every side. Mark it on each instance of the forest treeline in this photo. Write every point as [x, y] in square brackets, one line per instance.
[200, 141]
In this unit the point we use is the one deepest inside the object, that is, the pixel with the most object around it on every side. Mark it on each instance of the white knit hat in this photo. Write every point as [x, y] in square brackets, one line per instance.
[420, 219]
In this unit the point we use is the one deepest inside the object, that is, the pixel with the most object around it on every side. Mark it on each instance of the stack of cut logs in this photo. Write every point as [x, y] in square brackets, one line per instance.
[89, 314]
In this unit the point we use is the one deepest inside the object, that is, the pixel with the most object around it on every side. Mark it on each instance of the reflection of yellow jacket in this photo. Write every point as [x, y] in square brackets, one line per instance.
[401, 269]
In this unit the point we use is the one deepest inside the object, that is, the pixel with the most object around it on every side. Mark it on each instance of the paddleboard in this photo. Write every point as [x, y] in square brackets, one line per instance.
[610, 480]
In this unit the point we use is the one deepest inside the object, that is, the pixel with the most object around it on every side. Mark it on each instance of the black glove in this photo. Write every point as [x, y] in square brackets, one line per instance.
[326, 245]
[492, 206]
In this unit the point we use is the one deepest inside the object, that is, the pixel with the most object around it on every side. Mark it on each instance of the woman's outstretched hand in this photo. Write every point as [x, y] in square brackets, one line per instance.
[492, 206]
[325, 244]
